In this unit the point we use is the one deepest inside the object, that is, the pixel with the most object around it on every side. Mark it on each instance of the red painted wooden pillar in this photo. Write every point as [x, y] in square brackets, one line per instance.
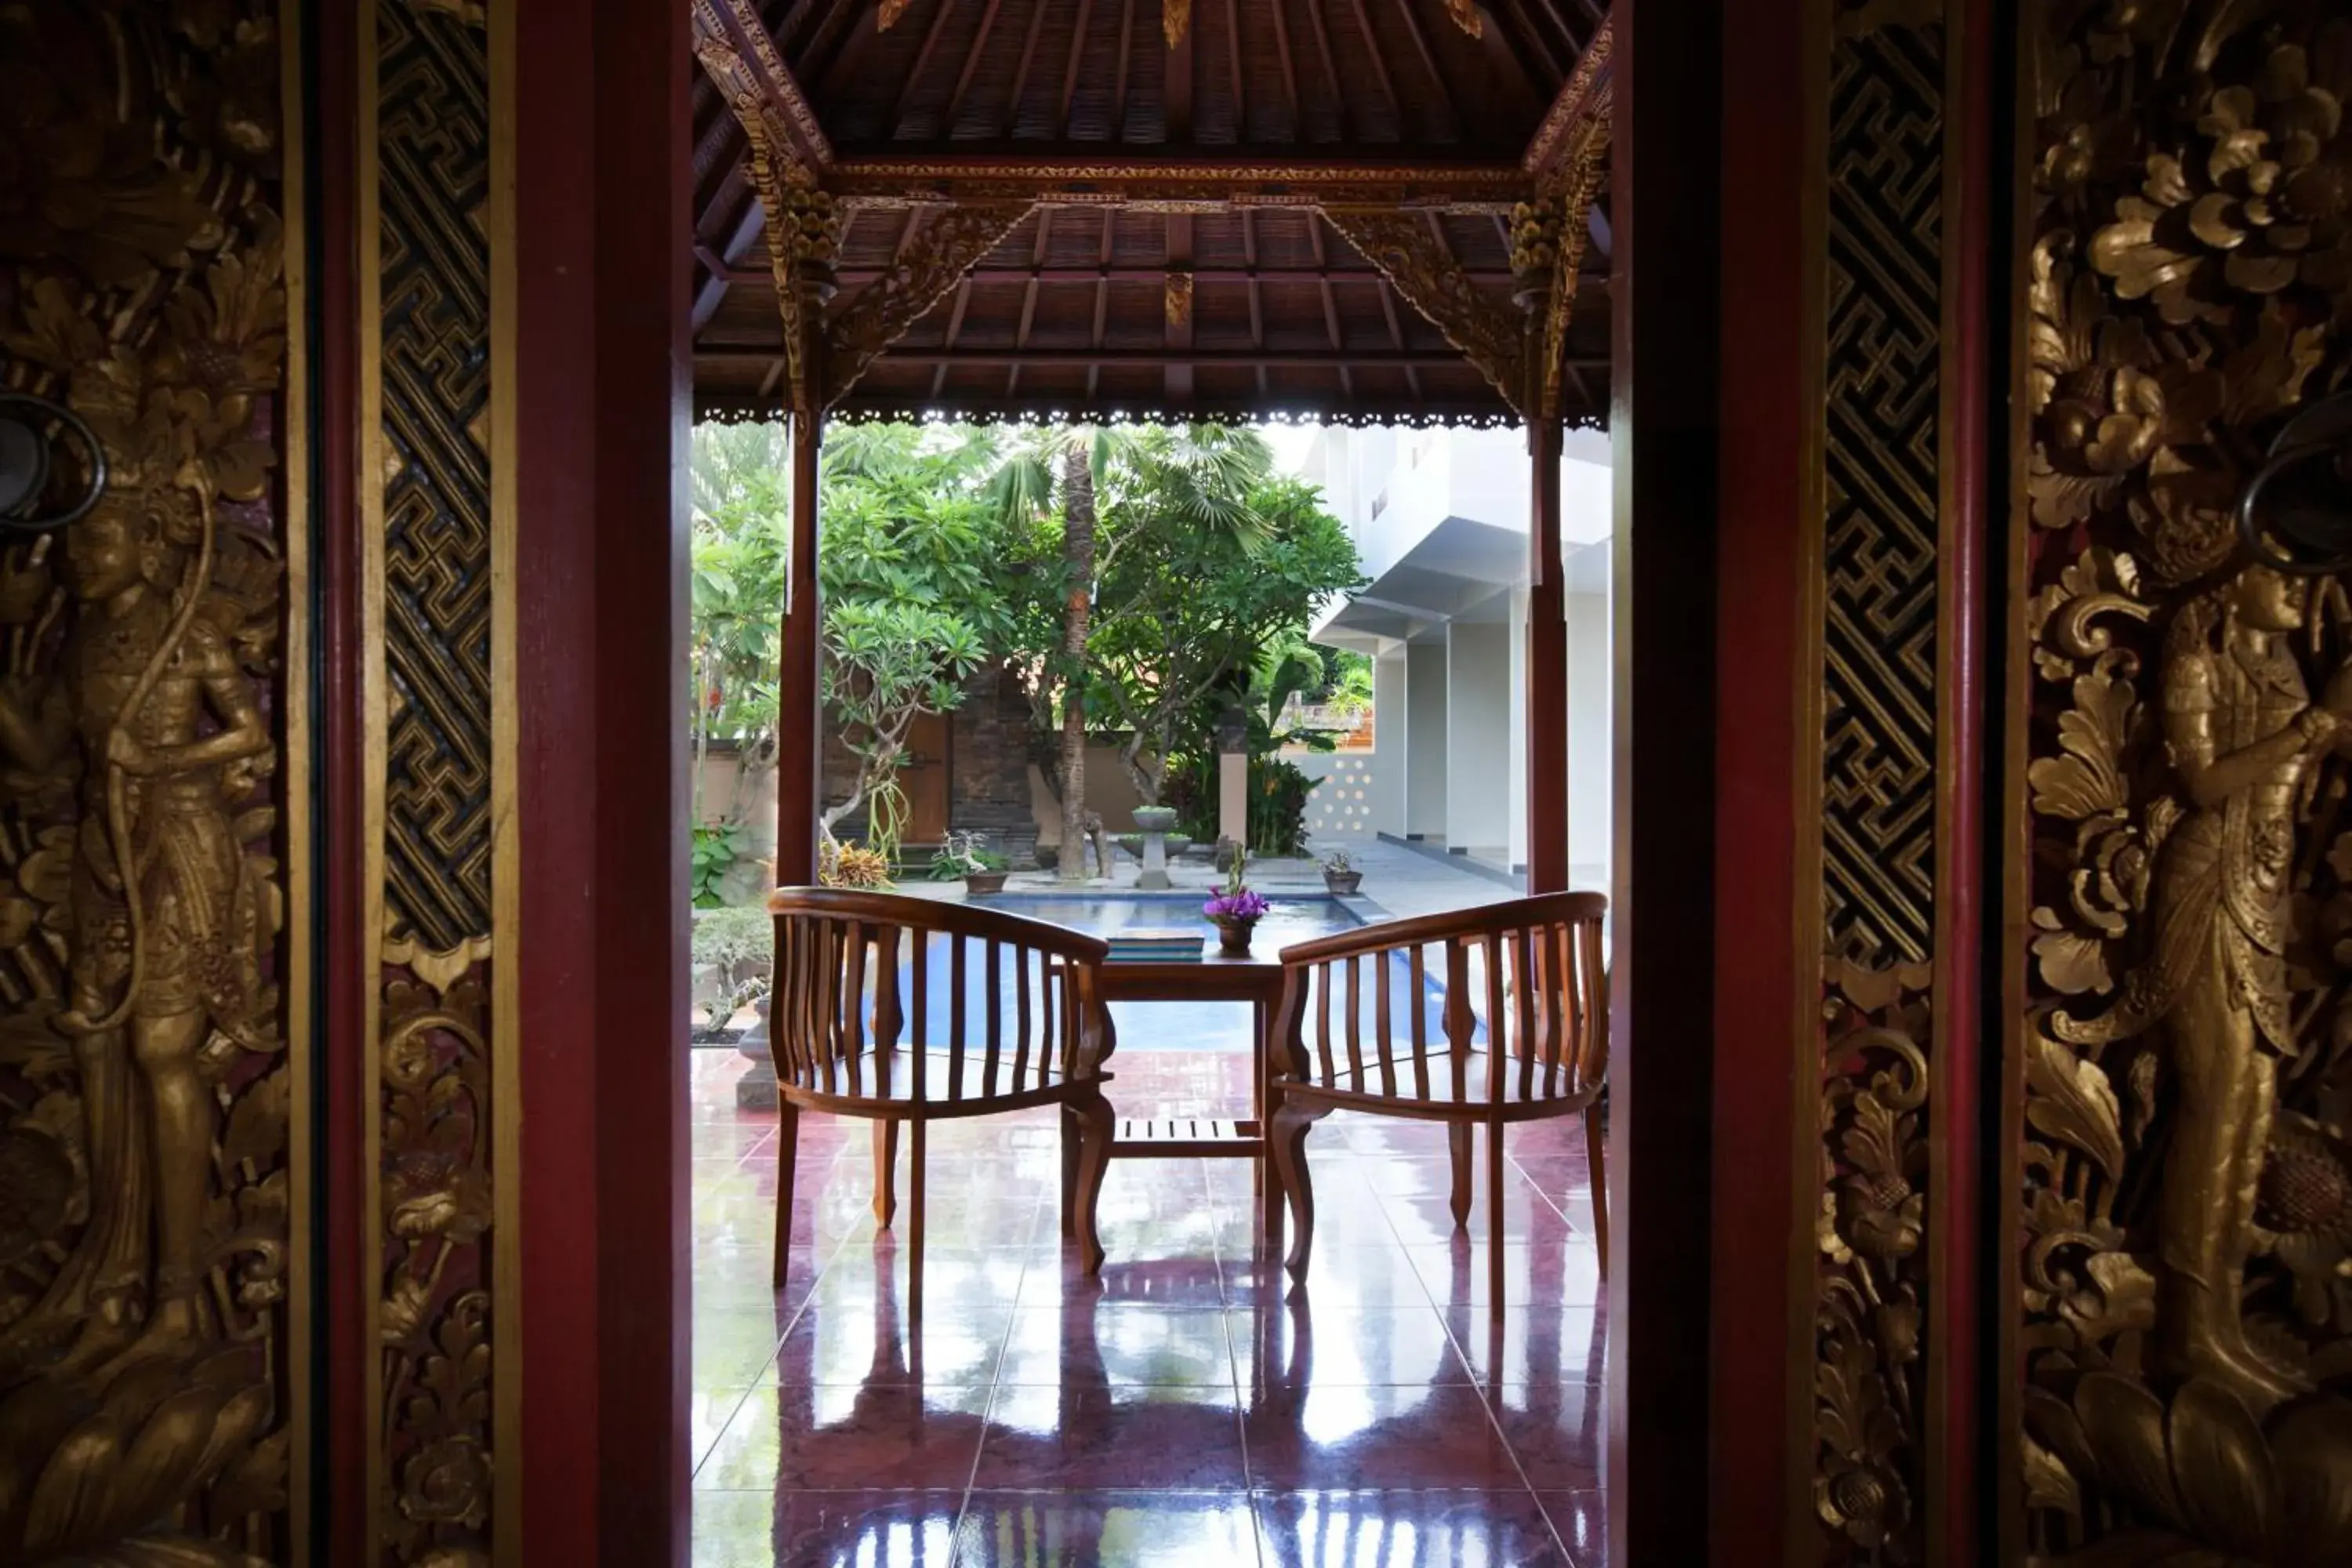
[603, 182]
[800, 721]
[1546, 718]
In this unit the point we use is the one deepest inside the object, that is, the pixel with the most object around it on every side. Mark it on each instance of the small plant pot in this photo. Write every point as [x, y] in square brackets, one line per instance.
[1343, 884]
[1234, 937]
[984, 882]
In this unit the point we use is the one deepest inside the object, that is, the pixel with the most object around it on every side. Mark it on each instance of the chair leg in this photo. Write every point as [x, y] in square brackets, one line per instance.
[1495, 1218]
[886, 1172]
[1290, 1136]
[788, 1144]
[1457, 1136]
[1095, 1127]
[1073, 1137]
[915, 1242]
[1596, 1160]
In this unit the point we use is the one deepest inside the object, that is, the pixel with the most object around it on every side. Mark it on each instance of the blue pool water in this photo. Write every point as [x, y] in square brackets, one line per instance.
[1217, 1026]
[1289, 921]
[1180, 1025]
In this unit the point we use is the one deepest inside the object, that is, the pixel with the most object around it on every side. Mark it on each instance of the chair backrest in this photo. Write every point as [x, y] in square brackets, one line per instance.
[1392, 1009]
[860, 976]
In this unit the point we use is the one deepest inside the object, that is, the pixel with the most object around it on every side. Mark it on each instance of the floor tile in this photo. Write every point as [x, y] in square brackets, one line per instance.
[1097, 1529]
[1582, 1521]
[1119, 1344]
[735, 1345]
[1065, 1439]
[825, 1528]
[1301, 1345]
[1560, 1273]
[1555, 1431]
[1392, 1436]
[1540, 1344]
[1451, 1529]
[830, 1437]
[877, 1347]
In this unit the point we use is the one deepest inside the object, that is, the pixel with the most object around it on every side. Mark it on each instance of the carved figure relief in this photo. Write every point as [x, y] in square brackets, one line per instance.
[145, 1239]
[2183, 1312]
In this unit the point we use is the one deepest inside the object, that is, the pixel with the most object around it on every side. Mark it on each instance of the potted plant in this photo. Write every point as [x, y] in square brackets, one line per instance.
[1340, 876]
[982, 870]
[1235, 912]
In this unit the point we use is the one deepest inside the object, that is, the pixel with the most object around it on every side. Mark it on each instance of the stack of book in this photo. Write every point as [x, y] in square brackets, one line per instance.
[1156, 946]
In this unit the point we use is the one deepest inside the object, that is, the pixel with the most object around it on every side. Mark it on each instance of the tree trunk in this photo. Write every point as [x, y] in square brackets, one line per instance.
[1079, 551]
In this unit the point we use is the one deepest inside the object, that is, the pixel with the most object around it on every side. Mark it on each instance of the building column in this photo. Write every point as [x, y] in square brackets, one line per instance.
[1544, 694]
[800, 723]
[1423, 759]
[1528, 742]
[1478, 721]
[1392, 741]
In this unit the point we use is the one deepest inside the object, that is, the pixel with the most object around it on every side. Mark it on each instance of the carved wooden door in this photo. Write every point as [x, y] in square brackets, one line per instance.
[925, 776]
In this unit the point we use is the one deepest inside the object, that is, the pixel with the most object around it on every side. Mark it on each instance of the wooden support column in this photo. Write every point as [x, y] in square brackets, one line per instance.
[1546, 684]
[800, 722]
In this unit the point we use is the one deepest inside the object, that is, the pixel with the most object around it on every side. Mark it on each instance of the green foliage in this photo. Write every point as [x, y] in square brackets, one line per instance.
[963, 856]
[1202, 596]
[738, 943]
[716, 851]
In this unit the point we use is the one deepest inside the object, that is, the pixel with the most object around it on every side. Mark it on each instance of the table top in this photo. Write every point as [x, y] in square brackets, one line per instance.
[1214, 977]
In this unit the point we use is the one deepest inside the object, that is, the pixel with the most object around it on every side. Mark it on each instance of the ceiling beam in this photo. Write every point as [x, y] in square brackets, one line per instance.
[1092, 176]
[713, 289]
[1067, 274]
[1176, 88]
[1584, 95]
[1272, 355]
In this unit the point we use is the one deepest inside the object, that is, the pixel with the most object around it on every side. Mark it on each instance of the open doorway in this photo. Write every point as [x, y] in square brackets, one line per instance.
[1196, 1398]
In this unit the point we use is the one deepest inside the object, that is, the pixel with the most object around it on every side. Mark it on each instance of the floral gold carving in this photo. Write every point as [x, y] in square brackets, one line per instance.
[1868, 1301]
[1178, 303]
[1465, 16]
[1432, 280]
[1175, 19]
[948, 244]
[803, 223]
[1548, 236]
[2183, 1313]
[146, 1191]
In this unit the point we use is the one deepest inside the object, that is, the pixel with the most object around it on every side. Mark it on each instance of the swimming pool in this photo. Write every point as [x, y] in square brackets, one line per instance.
[1288, 920]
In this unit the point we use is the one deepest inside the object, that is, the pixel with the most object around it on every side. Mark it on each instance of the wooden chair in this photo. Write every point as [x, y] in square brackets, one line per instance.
[1542, 994]
[915, 1011]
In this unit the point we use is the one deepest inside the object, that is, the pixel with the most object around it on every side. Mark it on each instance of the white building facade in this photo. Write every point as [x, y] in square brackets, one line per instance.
[1439, 522]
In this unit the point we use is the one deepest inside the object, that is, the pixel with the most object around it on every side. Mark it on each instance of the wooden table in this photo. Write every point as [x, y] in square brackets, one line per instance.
[1256, 980]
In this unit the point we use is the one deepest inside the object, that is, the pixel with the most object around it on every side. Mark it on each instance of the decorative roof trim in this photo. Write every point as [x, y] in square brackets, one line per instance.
[752, 409]
[1585, 94]
[1178, 184]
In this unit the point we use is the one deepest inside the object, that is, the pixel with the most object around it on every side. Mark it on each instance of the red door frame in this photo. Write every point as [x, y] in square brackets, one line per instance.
[1706, 716]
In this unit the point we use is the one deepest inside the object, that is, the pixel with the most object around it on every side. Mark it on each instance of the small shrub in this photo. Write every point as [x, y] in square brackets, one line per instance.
[738, 943]
[716, 850]
[852, 865]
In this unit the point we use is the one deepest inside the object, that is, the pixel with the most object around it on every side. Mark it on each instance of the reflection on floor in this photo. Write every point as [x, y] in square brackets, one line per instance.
[1187, 1409]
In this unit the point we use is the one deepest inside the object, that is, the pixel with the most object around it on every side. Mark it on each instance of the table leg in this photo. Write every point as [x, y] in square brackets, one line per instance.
[1269, 1183]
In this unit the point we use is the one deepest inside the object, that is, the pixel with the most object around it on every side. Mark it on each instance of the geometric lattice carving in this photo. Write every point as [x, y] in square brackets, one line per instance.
[433, 153]
[1884, 325]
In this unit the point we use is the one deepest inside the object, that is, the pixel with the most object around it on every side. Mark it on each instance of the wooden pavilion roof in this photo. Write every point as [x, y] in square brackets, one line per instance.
[1078, 208]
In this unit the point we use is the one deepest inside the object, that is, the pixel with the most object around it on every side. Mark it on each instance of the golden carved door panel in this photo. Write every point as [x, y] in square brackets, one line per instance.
[154, 868]
[2180, 1002]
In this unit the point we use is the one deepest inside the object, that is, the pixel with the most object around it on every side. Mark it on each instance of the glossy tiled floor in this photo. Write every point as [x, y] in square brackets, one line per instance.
[1189, 1408]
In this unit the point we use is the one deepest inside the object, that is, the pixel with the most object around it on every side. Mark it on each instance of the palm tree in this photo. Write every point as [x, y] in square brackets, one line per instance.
[1045, 468]
[1202, 475]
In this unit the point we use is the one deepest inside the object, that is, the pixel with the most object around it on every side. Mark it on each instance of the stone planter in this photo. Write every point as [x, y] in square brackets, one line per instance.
[1155, 818]
[982, 882]
[1343, 884]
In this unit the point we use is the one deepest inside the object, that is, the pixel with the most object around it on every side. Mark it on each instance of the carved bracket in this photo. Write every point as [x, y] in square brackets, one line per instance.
[949, 243]
[803, 221]
[1418, 265]
[1547, 239]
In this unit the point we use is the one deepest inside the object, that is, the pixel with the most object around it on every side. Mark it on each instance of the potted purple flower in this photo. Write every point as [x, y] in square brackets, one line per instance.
[1235, 912]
